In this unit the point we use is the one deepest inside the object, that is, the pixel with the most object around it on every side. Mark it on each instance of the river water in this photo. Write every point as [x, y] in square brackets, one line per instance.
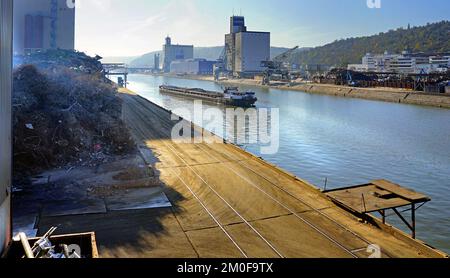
[348, 142]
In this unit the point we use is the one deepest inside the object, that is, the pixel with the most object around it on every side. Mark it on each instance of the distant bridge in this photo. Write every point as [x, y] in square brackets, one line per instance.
[117, 69]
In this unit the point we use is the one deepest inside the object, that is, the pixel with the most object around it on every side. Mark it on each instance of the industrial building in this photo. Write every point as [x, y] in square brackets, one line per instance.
[156, 63]
[406, 63]
[192, 66]
[245, 50]
[43, 24]
[440, 62]
[5, 121]
[175, 52]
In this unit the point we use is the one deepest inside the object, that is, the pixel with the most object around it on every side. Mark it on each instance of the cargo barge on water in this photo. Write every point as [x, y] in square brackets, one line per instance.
[230, 96]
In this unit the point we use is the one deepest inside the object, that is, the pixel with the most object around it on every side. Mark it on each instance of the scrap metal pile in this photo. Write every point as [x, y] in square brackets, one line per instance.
[417, 82]
[55, 59]
[44, 249]
[338, 76]
[342, 74]
[65, 113]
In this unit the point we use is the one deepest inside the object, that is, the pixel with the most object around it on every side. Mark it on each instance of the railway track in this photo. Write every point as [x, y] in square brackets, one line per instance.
[200, 146]
[165, 133]
[215, 192]
[249, 208]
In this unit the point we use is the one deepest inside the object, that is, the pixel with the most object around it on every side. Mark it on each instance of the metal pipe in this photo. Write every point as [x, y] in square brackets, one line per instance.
[26, 246]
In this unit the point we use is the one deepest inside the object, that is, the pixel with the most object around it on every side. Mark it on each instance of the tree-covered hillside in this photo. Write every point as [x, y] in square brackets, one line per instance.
[429, 39]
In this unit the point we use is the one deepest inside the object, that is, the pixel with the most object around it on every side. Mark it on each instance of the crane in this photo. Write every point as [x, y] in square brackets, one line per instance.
[285, 55]
[275, 66]
[220, 66]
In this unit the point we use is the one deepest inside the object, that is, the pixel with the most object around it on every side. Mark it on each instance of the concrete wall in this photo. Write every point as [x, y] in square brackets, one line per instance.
[251, 49]
[65, 27]
[381, 94]
[5, 120]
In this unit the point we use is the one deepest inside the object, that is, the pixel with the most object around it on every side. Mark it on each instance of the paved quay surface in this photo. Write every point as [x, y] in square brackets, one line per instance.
[228, 203]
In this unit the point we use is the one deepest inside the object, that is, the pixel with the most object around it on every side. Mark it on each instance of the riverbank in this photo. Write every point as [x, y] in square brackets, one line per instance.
[380, 94]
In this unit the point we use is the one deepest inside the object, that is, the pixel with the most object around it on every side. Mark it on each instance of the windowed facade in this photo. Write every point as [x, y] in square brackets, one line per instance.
[5, 120]
[43, 24]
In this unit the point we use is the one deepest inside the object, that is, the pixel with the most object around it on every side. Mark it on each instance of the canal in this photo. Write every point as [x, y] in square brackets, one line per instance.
[350, 141]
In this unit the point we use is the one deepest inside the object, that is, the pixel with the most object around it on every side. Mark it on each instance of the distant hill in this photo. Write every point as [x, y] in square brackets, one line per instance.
[209, 53]
[147, 60]
[430, 38]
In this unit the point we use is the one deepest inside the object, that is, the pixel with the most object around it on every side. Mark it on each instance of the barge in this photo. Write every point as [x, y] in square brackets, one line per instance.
[230, 96]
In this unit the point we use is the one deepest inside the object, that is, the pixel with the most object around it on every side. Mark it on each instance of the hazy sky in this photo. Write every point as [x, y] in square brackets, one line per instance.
[134, 27]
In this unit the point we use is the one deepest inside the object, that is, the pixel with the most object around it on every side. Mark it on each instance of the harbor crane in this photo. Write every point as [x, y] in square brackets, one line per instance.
[277, 67]
[220, 66]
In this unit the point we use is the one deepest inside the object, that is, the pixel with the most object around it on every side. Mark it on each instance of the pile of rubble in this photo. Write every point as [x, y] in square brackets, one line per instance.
[54, 59]
[44, 249]
[344, 74]
[65, 113]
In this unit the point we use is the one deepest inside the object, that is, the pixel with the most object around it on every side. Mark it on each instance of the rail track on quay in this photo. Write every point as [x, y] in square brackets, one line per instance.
[158, 115]
[259, 210]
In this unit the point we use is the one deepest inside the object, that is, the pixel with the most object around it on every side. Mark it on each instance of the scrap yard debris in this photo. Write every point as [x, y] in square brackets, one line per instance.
[44, 249]
[55, 59]
[65, 113]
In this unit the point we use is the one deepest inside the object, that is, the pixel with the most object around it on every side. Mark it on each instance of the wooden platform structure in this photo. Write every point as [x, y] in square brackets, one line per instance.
[380, 196]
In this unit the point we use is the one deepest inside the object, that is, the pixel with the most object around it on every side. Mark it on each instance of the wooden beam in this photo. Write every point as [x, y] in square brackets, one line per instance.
[383, 215]
[405, 193]
[411, 227]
